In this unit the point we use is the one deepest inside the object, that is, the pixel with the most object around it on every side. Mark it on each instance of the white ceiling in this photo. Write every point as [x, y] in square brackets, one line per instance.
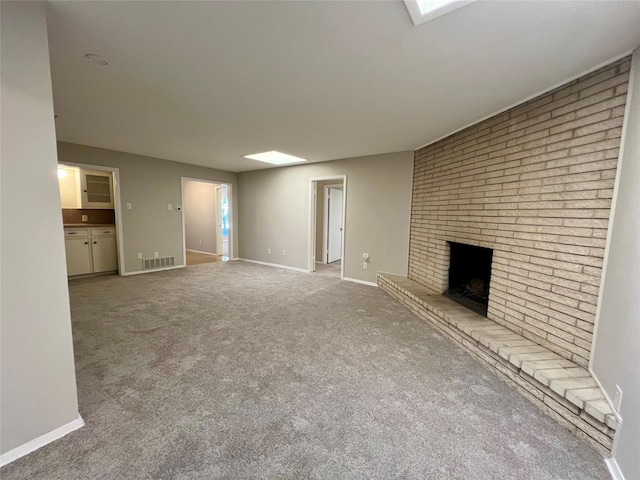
[208, 82]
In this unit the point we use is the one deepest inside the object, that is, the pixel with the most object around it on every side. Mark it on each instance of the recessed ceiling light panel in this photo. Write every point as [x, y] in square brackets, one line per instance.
[92, 57]
[424, 10]
[276, 158]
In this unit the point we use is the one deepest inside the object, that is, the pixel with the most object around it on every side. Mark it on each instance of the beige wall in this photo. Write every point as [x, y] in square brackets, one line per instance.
[534, 184]
[38, 391]
[274, 213]
[200, 216]
[616, 357]
[150, 184]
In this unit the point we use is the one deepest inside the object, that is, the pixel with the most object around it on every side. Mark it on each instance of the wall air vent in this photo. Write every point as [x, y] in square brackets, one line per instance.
[152, 263]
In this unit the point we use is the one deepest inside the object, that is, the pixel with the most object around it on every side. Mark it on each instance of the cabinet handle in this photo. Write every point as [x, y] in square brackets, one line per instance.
[72, 233]
[95, 243]
[86, 243]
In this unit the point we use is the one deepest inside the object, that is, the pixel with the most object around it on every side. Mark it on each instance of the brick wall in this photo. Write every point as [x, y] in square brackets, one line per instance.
[534, 184]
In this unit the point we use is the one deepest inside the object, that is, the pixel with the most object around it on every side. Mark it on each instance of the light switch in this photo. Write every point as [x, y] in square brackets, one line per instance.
[169, 207]
[85, 218]
[129, 206]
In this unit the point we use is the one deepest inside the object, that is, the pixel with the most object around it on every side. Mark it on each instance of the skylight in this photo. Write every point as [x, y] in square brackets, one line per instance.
[276, 158]
[424, 10]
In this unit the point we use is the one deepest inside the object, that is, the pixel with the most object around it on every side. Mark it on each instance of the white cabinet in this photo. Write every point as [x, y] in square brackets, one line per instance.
[104, 253]
[91, 250]
[78, 253]
[85, 188]
[97, 189]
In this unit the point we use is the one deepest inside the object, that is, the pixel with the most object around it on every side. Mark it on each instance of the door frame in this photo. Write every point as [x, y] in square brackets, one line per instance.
[230, 203]
[325, 220]
[117, 206]
[313, 200]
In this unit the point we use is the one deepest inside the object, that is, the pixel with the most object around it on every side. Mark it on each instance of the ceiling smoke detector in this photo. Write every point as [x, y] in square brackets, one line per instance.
[92, 57]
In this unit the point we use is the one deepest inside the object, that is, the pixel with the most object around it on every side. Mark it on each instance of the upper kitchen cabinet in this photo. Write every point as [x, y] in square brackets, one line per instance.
[97, 189]
[85, 188]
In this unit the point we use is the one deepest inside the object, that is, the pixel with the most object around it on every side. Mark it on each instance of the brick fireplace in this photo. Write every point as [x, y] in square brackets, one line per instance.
[515, 210]
[534, 184]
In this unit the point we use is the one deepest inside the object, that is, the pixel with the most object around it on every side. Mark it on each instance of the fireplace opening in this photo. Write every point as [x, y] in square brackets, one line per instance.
[469, 276]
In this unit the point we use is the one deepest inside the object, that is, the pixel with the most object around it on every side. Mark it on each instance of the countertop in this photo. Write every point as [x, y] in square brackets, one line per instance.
[77, 225]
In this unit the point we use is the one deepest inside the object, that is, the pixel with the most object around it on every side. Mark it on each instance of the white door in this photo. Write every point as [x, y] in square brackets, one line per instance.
[334, 225]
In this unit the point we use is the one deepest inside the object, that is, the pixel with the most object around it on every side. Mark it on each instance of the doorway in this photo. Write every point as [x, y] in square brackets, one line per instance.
[205, 218]
[327, 225]
[92, 219]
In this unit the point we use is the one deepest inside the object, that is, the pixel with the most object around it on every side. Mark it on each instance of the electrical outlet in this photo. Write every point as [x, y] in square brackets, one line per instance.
[129, 206]
[169, 207]
[284, 252]
[617, 399]
[199, 242]
[268, 251]
[139, 255]
[156, 255]
[85, 218]
[365, 265]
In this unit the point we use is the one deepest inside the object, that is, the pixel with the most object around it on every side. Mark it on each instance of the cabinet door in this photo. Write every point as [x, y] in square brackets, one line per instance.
[105, 254]
[78, 256]
[97, 189]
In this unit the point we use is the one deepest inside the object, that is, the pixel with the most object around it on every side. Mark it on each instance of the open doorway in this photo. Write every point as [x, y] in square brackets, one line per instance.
[91, 216]
[327, 233]
[206, 226]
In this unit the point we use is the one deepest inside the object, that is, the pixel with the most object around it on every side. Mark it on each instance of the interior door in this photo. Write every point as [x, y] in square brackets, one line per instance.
[334, 225]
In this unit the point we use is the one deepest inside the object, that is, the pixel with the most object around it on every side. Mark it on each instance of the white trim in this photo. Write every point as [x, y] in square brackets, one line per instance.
[151, 270]
[313, 184]
[229, 203]
[41, 441]
[204, 253]
[530, 97]
[276, 265]
[363, 282]
[612, 209]
[117, 206]
[614, 469]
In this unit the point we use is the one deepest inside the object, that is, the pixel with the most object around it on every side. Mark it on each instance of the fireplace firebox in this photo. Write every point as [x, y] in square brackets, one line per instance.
[469, 276]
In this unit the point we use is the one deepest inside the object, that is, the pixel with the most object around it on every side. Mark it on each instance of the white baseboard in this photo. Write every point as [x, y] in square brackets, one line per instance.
[40, 442]
[614, 469]
[286, 267]
[204, 253]
[151, 270]
[363, 282]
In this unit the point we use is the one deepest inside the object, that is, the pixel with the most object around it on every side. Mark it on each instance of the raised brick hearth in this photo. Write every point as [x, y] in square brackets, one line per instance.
[534, 184]
[559, 387]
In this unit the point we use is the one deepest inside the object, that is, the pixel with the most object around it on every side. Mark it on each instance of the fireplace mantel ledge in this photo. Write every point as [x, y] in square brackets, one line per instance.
[560, 387]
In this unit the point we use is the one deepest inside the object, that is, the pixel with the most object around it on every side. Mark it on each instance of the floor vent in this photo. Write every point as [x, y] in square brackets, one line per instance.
[151, 263]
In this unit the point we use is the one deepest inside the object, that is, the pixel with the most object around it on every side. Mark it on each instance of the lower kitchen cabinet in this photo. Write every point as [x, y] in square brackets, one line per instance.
[91, 250]
[78, 253]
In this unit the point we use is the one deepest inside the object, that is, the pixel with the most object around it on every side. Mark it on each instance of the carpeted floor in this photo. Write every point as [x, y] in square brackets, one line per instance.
[332, 269]
[240, 371]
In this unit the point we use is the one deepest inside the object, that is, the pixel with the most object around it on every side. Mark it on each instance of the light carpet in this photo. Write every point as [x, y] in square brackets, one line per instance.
[241, 371]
